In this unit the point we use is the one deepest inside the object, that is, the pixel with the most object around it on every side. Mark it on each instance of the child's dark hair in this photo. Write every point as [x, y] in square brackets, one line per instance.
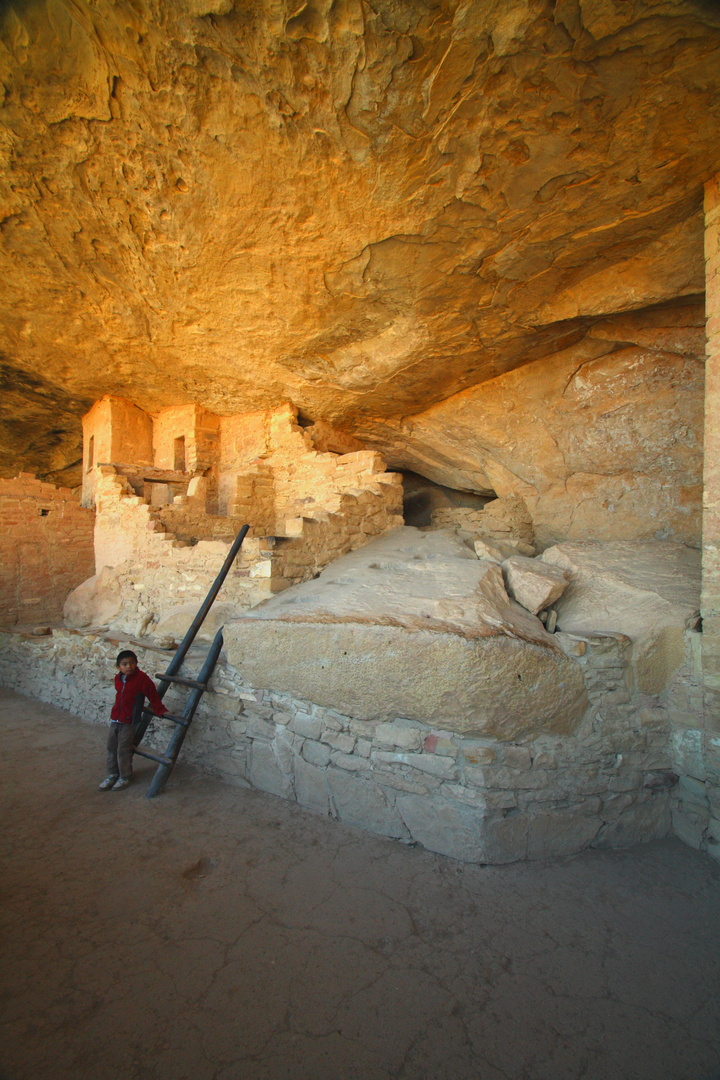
[126, 654]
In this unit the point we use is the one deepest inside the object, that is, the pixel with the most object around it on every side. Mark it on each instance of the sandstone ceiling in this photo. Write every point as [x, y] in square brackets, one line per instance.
[362, 207]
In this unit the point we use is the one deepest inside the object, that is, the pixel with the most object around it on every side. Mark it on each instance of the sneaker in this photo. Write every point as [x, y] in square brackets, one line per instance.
[107, 783]
[122, 783]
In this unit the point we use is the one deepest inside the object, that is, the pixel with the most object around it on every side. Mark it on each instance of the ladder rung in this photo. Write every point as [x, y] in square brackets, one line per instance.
[176, 719]
[182, 680]
[168, 716]
[161, 759]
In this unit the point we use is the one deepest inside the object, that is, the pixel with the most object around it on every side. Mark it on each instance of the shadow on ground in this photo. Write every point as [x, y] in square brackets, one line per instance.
[217, 933]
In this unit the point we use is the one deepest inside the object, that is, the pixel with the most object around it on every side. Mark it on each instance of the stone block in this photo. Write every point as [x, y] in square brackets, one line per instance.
[449, 828]
[691, 790]
[495, 684]
[404, 734]
[257, 728]
[339, 741]
[534, 584]
[309, 726]
[264, 771]
[499, 550]
[516, 757]
[441, 767]
[262, 569]
[359, 802]
[311, 788]
[478, 755]
[553, 833]
[511, 779]
[286, 748]
[350, 762]
[316, 753]
[436, 744]
[638, 824]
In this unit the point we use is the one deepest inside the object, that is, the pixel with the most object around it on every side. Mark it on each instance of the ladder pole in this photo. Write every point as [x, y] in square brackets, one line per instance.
[175, 664]
[199, 619]
[178, 737]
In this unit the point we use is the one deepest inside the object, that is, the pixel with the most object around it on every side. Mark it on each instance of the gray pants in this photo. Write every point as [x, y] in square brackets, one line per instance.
[119, 750]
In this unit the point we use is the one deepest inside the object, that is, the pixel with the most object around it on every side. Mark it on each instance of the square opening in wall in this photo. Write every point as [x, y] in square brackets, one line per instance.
[179, 454]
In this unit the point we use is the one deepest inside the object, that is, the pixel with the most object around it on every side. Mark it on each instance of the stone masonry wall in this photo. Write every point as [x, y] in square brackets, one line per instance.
[156, 572]
[711, 478]
[46, 549]
[293, 480]
[475, 799]
[695, 697]
[161, 564]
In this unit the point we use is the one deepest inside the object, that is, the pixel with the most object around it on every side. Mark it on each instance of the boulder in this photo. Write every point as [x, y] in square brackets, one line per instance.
[94, 603]
[412, 626]
[648, 591]
[499, 550]
[176, 622]
[534, 584]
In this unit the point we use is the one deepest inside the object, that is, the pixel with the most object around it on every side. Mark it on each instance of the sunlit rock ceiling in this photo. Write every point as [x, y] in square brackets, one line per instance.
[362, 208]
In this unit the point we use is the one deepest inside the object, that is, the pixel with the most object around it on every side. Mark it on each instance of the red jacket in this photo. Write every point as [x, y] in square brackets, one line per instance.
[137, 685]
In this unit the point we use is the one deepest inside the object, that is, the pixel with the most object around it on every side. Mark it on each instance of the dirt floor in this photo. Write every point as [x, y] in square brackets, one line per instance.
[221, 933]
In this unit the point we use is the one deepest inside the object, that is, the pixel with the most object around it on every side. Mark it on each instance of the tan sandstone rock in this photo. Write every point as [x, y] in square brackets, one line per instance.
[601, 441]
[407, 200]
[176, 622]
[412, 626]
[649, 592]
[94, 603]
[499, 550]
[533, 584]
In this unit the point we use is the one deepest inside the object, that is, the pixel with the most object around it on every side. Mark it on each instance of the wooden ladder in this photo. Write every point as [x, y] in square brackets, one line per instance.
[197, 686]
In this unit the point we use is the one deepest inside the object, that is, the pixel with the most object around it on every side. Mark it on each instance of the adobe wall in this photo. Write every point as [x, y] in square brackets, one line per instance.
[270, 471]
[164, 559]
[114, 430]
[46, 549]
[243, 439]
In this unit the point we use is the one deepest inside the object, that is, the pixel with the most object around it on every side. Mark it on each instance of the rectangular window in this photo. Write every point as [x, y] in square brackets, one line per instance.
[180, 454]
[91, 453]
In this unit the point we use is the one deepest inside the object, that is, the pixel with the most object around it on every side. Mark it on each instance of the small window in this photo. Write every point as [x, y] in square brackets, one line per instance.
[180, 454]
[44, 511]
[91, 453]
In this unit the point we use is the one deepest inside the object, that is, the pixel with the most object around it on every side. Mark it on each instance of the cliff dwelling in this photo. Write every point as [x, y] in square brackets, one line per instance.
[426, 293]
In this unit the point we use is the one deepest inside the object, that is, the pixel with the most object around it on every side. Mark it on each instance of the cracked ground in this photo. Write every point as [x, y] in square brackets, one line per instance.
[218, 933]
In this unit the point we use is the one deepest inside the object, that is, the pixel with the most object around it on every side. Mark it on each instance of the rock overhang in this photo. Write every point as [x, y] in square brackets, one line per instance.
[404, 203]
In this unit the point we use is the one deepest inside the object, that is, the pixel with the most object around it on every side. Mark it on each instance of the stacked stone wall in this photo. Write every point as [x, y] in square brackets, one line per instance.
[711, 478]
[501, 519]
[478, 799]
[46, 549]
[253, 500]
[695, 697]
[156, 572]
[168, 556]
[270, 473]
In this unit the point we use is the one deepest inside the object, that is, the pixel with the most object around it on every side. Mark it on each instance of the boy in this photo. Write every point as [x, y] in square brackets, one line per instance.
[131, 685]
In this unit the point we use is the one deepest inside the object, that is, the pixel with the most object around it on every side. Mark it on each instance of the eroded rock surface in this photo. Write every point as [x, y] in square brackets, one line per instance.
[602, 441]
[362, 209]
[532, 583]
[649, 592]
[412, 625]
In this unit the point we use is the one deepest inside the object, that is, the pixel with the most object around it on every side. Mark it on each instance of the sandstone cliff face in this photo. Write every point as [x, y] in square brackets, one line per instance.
[361, 208]
[602, 440]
